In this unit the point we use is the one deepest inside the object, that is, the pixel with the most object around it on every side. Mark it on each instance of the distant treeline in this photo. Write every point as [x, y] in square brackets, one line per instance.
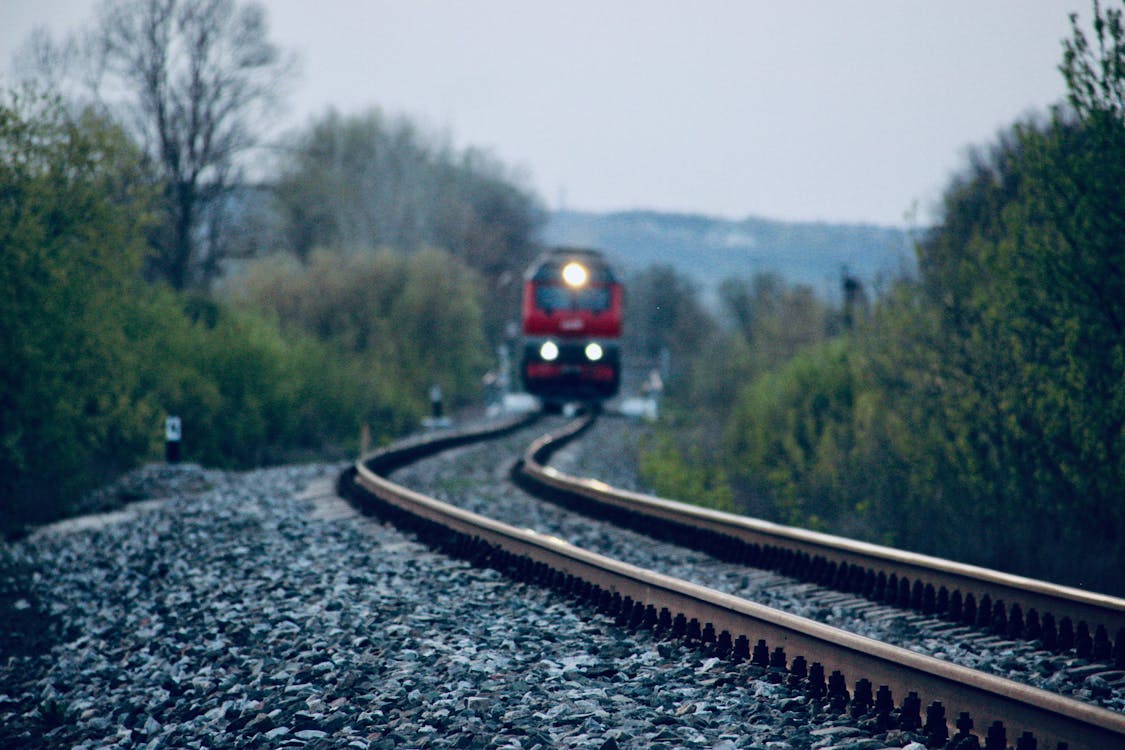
[976, 412]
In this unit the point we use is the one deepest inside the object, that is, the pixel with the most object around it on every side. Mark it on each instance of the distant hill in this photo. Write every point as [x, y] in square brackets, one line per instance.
[710, 249]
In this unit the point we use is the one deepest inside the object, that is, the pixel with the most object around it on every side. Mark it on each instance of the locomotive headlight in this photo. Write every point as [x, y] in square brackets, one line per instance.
[594, 351]
[575, 274]
[549, 351]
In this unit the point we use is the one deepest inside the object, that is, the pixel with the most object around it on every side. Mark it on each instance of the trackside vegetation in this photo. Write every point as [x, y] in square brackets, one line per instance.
[71, 220]
[977, 411]
[146, 275]
[289, 359]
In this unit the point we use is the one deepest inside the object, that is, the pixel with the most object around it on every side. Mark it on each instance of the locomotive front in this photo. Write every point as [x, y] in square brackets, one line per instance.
[571, 327]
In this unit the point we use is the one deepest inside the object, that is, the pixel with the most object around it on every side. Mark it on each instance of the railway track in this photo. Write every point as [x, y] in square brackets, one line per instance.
[850, 672]
[1060, 617]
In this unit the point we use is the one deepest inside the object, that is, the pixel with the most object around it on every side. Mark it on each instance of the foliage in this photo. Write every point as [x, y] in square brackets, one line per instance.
[1025, 358]
[408, 321]
[665, 320]
[685, 473]
[794, 435]
[247, 393]
[759, 324]
[368, 181]
[768, 322]
[977, 412]
[191, 80]
[773, 320]
[71, 228]
[987, 397]
[92, 359]
[1095, 81]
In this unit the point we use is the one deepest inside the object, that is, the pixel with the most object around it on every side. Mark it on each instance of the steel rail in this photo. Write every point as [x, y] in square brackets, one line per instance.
[729, 624]
[915, 578]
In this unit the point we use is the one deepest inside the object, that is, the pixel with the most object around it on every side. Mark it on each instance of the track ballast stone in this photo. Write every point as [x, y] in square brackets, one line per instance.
[227, 612]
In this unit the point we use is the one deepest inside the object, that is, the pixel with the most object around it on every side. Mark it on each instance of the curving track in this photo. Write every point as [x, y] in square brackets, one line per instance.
[1062, 618]
[795, 649]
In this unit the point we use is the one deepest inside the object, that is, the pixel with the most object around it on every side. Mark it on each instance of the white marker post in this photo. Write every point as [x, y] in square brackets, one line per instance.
[173, 430]
[435, 403]
[438, 418]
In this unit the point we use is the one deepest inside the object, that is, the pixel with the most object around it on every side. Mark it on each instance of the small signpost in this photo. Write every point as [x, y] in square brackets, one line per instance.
[435, 402]
[173, 431]
[437, 411]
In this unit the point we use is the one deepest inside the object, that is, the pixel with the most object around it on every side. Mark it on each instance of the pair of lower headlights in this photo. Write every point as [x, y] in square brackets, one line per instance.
[549, 351]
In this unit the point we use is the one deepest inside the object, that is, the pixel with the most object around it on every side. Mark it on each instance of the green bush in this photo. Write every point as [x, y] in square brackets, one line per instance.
[792, 433]
[684, 473]
[72, 217]
[410, 321]
[249, 394]
[92, 359]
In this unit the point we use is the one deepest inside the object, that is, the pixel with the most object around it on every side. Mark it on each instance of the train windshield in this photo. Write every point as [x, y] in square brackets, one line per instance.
[550, 298]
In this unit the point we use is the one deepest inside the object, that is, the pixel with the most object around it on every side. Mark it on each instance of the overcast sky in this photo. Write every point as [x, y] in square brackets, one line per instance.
[841, 111]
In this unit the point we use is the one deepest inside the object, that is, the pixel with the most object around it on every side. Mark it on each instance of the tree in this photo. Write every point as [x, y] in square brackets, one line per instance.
[1007, 361]
[190, 80]
[371, 181]
[412, 320]
[978, 413]
[364, 181]
[71, 237]
[777, 320]
[1095, 81]
[664, 314]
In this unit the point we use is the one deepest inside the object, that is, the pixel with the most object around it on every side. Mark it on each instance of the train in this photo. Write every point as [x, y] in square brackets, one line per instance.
[572, 308]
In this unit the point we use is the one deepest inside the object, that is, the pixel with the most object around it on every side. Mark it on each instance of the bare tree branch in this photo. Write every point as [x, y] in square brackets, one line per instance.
[193, 82]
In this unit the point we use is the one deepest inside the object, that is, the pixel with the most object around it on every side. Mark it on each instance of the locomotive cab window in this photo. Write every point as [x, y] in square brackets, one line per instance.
[552, 298]
[595, 299]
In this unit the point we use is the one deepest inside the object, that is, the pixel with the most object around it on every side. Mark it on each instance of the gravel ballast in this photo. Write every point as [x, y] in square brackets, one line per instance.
[236, 610]
[608, 452]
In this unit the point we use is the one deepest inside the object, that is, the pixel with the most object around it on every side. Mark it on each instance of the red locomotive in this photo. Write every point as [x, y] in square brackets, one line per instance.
[571, 327]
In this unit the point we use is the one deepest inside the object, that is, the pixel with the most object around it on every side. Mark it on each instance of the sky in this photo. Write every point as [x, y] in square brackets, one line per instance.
[857, 111]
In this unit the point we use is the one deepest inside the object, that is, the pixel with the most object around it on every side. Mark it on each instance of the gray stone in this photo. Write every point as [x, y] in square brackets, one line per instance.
[310, 734]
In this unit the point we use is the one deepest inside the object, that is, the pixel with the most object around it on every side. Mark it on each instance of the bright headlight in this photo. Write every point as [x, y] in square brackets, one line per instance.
[549, 351]
[594, 351]
[575, 274]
